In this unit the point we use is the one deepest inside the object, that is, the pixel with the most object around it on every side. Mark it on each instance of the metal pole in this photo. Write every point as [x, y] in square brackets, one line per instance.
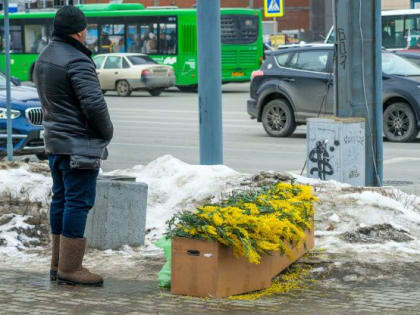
[358, 74]
[379, 90]
[8, 94]
[209, 82]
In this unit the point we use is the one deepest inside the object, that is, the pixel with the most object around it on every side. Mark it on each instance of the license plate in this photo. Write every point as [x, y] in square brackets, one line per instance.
[41, 134]
[237, 74]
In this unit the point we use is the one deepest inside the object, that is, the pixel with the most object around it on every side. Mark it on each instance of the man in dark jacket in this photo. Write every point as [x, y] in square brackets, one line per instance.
[77, 130]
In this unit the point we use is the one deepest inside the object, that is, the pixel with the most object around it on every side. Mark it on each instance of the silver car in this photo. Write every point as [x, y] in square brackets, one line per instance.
[127, 72]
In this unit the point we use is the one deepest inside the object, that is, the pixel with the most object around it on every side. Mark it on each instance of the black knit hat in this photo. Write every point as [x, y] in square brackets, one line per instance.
[69, 20]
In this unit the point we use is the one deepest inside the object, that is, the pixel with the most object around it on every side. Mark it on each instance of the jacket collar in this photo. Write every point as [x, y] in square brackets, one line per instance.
[73, 42]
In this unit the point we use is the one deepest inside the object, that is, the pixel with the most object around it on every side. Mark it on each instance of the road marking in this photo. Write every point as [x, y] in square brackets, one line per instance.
[400, 160]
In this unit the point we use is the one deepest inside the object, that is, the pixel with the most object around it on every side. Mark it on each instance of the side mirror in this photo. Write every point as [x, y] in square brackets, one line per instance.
[15, 81]
[385, 77]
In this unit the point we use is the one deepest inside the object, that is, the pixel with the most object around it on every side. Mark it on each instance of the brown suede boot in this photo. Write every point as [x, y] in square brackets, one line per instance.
[55, 252]
[70, 269]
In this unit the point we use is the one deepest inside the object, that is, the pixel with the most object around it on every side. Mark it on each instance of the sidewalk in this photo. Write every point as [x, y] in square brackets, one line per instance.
[338, 289]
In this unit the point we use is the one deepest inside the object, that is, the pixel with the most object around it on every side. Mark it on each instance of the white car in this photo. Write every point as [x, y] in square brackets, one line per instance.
[128, 72]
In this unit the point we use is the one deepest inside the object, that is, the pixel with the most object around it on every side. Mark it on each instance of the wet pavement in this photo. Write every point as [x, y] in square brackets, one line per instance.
[347, 288]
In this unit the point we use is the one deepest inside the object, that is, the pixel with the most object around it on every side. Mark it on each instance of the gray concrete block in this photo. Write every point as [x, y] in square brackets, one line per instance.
[119, 215]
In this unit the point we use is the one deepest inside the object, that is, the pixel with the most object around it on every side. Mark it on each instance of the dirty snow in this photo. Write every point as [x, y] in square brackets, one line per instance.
[175, 185]
[20, 181]
[14, 235]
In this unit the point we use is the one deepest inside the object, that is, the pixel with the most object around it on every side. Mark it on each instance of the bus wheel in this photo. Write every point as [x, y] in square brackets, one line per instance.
[123, 88]
[188, 88]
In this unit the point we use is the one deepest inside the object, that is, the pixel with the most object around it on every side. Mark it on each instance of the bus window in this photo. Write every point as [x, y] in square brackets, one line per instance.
[167, 39]
[149, 38]
[16, 44]
[134, 42]
[239, 29]
[412, 31]
[36, 38]
[393, 32]
[92, 38]
[112, 39]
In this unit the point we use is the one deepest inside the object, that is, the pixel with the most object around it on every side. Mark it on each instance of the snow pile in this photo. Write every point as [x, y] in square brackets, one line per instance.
[369, 224]
[351, 223]
[175, 185]
[22, 181]
[16, 234]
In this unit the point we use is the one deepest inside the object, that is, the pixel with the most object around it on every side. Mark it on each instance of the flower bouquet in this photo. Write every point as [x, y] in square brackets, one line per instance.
[238, 245]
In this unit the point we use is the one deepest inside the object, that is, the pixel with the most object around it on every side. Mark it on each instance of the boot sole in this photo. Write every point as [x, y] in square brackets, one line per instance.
[70, 282]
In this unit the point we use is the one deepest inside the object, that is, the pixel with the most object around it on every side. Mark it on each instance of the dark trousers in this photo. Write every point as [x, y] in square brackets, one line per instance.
[73, 196]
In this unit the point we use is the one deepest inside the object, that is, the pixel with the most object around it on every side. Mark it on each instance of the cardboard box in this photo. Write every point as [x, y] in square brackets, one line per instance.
[209, 269]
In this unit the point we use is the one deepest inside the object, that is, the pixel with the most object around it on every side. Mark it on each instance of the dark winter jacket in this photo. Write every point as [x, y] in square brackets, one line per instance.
[76, 118]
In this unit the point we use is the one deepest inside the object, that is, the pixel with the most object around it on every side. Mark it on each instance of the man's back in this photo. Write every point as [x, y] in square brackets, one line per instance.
[76, 118]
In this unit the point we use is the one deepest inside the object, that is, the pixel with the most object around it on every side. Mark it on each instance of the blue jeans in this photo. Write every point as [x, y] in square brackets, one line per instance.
[73, 196]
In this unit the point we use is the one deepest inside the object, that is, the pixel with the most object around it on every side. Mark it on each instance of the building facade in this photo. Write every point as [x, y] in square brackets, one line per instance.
[395, 4]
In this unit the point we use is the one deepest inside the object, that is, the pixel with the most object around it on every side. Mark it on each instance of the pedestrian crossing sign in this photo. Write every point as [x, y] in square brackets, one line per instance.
[273, 8]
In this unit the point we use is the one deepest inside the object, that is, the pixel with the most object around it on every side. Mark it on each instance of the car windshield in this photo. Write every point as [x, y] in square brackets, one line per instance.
[141, 60]
[396, 65]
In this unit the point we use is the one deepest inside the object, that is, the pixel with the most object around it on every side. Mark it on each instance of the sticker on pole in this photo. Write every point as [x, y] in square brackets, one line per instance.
[273, 8]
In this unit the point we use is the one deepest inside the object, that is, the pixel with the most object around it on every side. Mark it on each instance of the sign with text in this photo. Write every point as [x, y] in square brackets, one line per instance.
[273, 8]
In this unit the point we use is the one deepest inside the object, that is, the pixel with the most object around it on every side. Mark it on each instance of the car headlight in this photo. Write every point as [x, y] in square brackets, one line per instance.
[13, 113]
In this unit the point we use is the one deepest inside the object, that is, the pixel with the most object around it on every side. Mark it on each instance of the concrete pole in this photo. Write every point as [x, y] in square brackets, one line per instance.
[156, 3]
[209, 82]
[358, 74]
[8, 92]
[251, 4]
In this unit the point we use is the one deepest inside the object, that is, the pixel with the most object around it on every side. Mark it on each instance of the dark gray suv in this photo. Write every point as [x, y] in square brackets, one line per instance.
[296, 83]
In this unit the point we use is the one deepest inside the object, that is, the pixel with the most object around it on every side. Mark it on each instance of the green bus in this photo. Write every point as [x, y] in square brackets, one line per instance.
[167, 34]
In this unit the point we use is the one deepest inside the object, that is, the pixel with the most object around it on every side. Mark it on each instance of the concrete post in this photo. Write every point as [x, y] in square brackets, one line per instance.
[8, 92]
[119, 215]
[358, 74]
[209, 82]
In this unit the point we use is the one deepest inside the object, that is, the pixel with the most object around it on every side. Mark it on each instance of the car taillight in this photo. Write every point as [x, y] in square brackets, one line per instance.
[145, 73]
[256, 73]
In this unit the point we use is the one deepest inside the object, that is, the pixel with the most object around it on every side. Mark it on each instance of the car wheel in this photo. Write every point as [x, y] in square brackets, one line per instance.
[155, 92]
[278, 119]
[42, 156]
[400, 123]
[188, 88]
[123, 88]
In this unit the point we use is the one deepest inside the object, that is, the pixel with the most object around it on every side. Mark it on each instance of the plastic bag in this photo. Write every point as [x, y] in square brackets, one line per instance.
[164, 275]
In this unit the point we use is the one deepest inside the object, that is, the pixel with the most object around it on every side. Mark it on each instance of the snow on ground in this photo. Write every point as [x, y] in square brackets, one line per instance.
[175, 185]
[25, 182]
[367, 224]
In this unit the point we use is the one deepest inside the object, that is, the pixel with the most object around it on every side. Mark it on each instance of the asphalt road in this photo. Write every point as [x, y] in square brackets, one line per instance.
[149, 127]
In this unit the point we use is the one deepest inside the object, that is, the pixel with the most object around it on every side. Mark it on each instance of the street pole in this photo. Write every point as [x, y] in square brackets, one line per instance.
[358, 74]
[209, 82]
[8, 94]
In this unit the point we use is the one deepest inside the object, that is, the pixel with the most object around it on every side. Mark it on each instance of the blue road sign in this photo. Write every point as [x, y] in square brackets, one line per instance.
[273, 8]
